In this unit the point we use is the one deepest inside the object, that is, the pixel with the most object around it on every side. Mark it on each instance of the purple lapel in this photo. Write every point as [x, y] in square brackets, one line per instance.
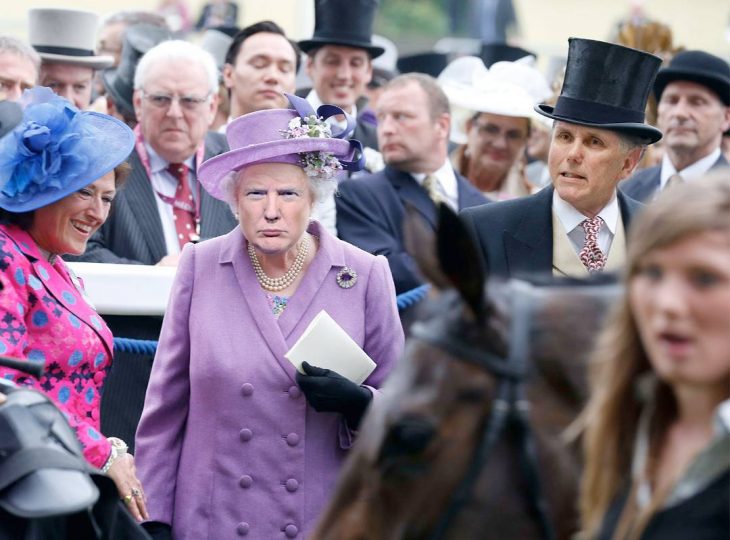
[61, 284]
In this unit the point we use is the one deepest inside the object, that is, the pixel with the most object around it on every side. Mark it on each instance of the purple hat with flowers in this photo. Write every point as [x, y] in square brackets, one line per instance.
[55, 150]
[299, 136]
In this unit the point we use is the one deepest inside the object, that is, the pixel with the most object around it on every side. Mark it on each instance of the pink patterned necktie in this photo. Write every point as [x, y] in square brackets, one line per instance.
[591, 255]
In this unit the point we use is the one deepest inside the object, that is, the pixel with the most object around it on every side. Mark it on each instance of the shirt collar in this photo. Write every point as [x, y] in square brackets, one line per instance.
[446, 177]
[571, 218]
[159, 164]
[693, 172]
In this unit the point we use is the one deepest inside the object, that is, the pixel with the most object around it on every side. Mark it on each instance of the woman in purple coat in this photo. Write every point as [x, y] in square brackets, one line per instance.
[233, 441]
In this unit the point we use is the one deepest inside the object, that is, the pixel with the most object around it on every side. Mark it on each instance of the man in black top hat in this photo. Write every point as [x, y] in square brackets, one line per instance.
[693, 94]
[578, 225]
[339, 58]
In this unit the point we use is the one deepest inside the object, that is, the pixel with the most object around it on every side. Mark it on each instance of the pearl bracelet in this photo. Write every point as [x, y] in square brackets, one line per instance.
[119, 448]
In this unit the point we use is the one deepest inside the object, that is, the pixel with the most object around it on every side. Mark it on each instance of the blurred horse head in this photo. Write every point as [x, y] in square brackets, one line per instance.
[467, 440]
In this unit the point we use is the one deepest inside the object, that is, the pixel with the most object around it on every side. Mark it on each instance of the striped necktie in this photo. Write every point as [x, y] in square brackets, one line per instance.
[430, 184]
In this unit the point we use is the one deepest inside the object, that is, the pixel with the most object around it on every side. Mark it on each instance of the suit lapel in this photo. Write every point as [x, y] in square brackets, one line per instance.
[528, 246]
[143, 202]
[410, 192]
[468, 195]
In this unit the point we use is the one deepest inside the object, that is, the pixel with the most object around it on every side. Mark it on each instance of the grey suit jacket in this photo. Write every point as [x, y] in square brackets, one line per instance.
[515, 237]
[133, 233]
[644, 184]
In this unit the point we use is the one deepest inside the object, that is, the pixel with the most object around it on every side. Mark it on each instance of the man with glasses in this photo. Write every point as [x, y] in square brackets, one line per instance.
[162, 205]
[413, 131]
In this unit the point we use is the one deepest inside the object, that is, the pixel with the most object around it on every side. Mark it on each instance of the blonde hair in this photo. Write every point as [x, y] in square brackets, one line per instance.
[620, 361]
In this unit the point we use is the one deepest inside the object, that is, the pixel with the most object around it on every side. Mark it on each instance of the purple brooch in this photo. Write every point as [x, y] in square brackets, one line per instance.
[346, 277]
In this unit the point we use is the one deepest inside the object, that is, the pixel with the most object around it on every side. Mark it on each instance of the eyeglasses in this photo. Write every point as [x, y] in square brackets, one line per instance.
[493, 130]
[164, 101]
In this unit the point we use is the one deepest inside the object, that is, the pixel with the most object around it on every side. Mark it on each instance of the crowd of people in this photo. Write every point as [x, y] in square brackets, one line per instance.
[275, 202]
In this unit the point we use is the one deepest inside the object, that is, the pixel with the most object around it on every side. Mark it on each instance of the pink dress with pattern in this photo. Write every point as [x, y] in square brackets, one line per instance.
[44, 317]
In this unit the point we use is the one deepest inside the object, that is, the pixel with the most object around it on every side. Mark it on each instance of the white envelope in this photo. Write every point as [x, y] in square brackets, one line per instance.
[325, 344]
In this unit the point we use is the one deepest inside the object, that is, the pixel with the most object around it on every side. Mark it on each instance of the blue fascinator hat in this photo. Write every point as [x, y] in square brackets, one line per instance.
[55, 150]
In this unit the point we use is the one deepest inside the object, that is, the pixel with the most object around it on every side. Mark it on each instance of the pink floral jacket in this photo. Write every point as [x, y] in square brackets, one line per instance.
[44, 317]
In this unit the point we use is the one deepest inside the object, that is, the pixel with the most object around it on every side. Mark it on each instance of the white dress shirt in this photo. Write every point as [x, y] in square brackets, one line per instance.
[688, 174]
[446, 185]
[572, 219]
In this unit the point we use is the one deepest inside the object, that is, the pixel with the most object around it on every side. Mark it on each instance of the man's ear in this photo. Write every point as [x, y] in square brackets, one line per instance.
[631, 161]
[228, 75]
[443, 125]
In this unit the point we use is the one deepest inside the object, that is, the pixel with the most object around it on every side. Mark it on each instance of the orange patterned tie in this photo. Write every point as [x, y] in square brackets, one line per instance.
[591, 255]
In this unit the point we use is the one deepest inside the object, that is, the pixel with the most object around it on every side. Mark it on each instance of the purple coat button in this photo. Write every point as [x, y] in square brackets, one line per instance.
[245, 481]
[247, 389]
[242, 528]
[294, 392]
[245, 434]
[292, 485]
[292, 439]
[291, 531]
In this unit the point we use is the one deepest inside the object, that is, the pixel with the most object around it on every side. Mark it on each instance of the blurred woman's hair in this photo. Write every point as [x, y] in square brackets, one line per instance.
[620, 368]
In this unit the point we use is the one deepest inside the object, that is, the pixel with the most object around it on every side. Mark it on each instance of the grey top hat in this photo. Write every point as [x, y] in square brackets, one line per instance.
[216, 43]
[119, 81]
[66, 36]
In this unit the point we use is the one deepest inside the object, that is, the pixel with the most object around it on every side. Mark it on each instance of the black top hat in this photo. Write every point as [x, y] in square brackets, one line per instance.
[606, 86]
[343, 22]
[492, 53]
[10, 116]
[698, 67]
[431, 63]
[119, 81]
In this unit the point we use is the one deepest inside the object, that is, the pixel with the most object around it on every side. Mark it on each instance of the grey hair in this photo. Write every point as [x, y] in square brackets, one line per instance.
[177, 50]
[18, 47]
[321, 188]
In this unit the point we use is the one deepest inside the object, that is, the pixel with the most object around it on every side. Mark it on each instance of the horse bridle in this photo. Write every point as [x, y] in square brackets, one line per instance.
[509, 407]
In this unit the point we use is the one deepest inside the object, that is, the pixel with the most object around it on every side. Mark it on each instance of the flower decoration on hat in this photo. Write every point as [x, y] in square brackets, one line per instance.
[316, 164]
[320, 164]
[56, 149]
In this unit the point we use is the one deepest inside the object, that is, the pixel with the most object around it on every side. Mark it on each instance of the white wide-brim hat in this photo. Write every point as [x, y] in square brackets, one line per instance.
[472, 88]
[66, 36]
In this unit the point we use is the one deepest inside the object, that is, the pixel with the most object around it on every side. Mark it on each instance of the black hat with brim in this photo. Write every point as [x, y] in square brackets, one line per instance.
[606, 86]
[119, 81]
[697, 67]
[343, 22]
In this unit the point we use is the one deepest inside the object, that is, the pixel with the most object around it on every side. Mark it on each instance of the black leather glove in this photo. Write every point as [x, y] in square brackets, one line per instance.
[158, 530]
[328, 391]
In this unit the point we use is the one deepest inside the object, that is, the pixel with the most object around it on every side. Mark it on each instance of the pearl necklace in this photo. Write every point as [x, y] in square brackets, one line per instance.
[280, 283]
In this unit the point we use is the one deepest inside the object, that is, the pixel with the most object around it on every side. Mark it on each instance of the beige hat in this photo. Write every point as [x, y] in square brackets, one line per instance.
[66, 36]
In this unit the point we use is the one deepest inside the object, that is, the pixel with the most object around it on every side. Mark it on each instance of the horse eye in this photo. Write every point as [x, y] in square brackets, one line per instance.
[409, 437]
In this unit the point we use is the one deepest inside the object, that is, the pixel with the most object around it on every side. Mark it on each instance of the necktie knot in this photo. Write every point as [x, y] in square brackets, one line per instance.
[675, 180]
[591, 255]
[430, 184]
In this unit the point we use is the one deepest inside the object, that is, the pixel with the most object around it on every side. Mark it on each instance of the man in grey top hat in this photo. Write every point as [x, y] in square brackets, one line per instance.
[577, 226]
[19, 65]
[693, 95]
[65, 40]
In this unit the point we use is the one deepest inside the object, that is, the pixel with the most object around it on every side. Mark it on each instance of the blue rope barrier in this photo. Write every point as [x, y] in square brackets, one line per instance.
[409, 298]
[135, 346]
[148, 347]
